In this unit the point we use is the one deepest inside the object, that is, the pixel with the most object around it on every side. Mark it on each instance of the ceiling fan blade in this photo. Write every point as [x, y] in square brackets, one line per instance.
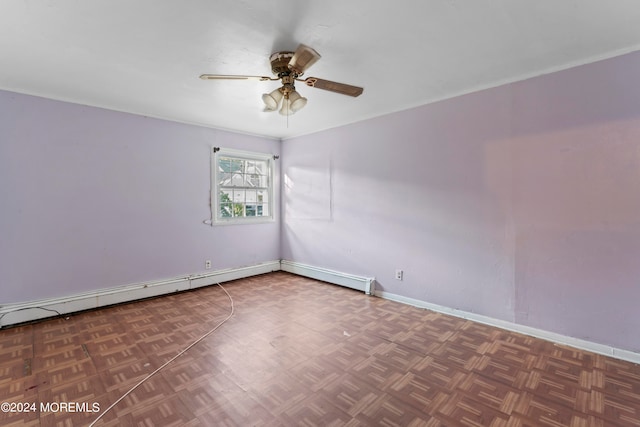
[303, 58]
[232, 77]
[342, 88]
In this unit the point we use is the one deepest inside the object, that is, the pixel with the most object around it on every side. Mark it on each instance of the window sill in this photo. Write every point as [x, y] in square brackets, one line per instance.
[244, 221]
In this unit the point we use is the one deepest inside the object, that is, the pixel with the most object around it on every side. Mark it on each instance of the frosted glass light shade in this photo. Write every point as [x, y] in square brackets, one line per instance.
[286, 107]
[296, 102]
[293, 103]
[271, 100]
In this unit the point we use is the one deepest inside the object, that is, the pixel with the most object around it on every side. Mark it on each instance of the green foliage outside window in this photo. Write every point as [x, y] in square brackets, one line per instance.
[229, 209]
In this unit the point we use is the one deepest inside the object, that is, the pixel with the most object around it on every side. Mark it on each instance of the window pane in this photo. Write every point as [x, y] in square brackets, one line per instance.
[259, 181]
[237, 179]
[225, 196]
[226, 210]
[265, 209]
[236, 165]
[260, 168]
[224, 165]
[225, 179]
[250, 197]
[251, 210]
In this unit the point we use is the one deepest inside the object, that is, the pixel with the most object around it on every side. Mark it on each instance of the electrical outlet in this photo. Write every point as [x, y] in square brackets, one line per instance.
[207, 264]
[399, 274]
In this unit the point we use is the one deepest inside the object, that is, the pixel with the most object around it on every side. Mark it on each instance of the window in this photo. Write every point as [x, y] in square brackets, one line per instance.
[242, 186]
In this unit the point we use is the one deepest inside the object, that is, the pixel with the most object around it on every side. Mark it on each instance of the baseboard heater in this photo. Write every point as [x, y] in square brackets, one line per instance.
[16, 313]
[360, 283]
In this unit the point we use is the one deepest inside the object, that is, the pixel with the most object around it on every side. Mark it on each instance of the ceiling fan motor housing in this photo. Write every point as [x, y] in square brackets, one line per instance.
[280, 63]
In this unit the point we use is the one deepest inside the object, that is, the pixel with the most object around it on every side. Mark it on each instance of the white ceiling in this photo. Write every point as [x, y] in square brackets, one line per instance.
[145, 56]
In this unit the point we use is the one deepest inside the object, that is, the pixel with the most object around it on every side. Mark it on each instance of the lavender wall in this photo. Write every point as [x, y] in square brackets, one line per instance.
[92, 199]
[519, 202]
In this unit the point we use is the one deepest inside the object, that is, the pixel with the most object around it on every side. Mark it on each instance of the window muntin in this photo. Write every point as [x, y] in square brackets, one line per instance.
[242, 187]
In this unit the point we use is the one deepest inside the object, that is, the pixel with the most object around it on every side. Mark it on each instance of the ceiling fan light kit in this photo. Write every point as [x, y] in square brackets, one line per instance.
[271, 100]
[291, 104]
[288, 67]
[296, 101]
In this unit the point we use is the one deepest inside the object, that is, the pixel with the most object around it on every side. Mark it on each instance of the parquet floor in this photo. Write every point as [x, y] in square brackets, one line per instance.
[301, 352]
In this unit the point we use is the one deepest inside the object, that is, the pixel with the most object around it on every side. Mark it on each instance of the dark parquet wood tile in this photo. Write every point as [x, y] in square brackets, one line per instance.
[302, 352]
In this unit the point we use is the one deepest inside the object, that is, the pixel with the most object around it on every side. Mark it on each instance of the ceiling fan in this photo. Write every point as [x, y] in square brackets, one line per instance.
[289, 67]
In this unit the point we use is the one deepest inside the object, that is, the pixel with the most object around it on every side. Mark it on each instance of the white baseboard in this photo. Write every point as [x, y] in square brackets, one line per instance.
[367, 285]
[221, 276]
[527, 330]
[12, 314]
[364, 284]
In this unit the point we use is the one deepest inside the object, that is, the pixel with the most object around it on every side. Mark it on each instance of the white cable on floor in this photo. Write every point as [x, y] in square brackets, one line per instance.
[170, 360]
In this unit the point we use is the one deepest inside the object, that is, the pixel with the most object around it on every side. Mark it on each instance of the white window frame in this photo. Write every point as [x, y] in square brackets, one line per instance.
[216, 177]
